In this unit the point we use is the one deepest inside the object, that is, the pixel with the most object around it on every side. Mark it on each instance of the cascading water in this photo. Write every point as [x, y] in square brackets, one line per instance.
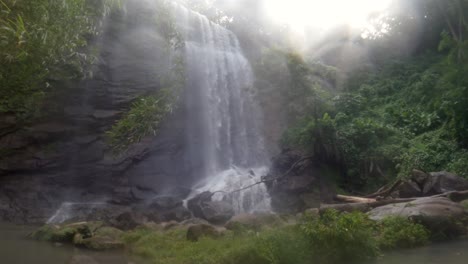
[222, 117]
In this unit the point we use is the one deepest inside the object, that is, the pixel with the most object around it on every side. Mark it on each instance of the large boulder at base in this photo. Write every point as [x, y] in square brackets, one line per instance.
[254, 221]
[195, 232]
[216, 212]
[437, 214]
[296, 183]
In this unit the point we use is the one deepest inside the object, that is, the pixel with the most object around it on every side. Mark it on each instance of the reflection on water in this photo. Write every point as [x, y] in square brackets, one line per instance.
[16, 248]
[444, 253]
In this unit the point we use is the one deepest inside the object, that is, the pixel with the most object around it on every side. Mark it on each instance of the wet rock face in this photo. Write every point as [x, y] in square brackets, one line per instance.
[294, 189]
[67, 151]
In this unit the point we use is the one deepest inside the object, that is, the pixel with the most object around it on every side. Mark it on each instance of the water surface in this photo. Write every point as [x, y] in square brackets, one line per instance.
[17, 248]
[455, 252]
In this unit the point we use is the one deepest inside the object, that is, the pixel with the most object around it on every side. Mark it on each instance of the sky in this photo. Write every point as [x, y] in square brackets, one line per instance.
[322, 14]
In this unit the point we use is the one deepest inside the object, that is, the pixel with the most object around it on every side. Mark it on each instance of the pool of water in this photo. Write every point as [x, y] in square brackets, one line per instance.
[16, 248]
[455, 252]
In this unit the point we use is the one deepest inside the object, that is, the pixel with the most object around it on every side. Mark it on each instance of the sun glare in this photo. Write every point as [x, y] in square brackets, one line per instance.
[322, 14]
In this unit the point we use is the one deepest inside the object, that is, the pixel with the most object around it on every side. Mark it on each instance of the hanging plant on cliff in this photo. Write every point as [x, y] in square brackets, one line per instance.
[143, 119]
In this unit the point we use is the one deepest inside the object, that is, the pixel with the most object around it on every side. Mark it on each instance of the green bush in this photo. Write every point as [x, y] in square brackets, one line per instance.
[285, 246]
[173, 248]
[42, 45]
[142, 120]
[341, 238]
[399, 232]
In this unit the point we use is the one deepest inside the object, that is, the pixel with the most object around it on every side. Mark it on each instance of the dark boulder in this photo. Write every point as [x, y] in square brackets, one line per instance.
[296, 183]
[216, 212]
[446, 181]
[165, 202]
[423, 184]
[178, 214]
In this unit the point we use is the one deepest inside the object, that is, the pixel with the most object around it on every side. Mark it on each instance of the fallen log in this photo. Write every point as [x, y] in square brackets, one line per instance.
[353, 199]
[455, 196]
[362, 207]
[385, 192]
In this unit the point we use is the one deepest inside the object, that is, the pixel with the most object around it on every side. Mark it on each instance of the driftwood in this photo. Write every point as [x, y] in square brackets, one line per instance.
[354, 205]
[353, 199]
[363, 207]
[385, 192]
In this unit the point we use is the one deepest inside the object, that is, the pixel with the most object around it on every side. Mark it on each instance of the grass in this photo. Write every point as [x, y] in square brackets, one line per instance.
[332, 238]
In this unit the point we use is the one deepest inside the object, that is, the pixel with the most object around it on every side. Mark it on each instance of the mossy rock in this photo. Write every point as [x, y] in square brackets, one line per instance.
[104, 238]
[54, 233]
[67, 233]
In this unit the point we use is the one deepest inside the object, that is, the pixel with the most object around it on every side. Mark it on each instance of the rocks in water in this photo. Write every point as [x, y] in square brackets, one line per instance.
[253, 221]
[438, 214]
[195, 232]
[216, 212]
[91, 235]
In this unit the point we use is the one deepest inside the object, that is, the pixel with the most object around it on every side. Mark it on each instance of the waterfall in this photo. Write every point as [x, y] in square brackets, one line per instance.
[222, 119]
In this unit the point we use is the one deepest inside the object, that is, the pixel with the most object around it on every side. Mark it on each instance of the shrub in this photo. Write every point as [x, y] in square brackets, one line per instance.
[172, 247]
[341, 238]
[42, 44]
[399, 232]
[285, 246]
[142, 120]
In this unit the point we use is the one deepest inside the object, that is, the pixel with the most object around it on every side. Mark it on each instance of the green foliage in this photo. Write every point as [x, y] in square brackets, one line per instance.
[331, 238]
[43, 43]
[142, 120]
[408, 114]
[147, 112]
[172, 247]
[341, 238]
[398, 232]
[284, 246]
